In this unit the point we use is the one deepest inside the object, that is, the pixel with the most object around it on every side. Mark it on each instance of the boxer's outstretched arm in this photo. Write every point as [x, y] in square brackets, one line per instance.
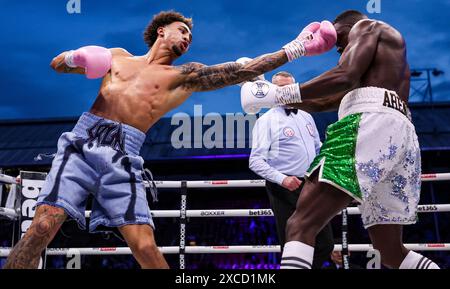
[354, 62]
[315, 38]
[330, 103]
[198, 77]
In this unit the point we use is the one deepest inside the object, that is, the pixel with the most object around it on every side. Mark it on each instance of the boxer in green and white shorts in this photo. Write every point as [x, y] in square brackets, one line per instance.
[372, 154]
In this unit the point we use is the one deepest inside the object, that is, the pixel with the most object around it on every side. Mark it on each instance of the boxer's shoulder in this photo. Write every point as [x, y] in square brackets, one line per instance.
[120, 52]
[365, 25]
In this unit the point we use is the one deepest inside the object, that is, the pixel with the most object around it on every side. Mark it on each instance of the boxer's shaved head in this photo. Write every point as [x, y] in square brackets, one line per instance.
[343, 23]
[349, 17]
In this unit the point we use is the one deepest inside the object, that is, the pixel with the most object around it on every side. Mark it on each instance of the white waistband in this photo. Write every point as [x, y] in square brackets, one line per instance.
[373, 99]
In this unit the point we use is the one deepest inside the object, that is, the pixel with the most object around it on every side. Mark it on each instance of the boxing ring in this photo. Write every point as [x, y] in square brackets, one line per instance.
[183, 214]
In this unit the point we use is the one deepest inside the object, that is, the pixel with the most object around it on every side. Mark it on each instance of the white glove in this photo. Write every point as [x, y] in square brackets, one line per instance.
[263, 94]
[245, 60]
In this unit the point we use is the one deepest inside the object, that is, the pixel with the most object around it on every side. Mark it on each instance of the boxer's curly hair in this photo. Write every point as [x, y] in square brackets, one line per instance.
[160, 20]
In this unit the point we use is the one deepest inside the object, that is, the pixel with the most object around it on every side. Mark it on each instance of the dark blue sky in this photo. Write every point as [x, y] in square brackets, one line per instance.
[33, 32]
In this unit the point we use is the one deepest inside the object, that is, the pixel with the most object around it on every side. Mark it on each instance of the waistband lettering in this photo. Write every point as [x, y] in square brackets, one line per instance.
[393, 101]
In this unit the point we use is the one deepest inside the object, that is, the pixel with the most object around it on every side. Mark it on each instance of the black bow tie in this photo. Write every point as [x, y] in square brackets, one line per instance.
[291, 110]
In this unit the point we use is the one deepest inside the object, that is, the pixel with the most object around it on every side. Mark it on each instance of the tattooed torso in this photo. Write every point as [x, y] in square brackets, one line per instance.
[139, 94]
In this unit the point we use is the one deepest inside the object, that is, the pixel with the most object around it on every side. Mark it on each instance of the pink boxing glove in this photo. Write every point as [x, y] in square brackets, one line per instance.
[95, 60]
[308, 31]
[323, 40]
[316, 38]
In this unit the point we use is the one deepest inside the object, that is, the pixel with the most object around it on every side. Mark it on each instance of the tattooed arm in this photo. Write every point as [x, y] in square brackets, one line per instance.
[198, 77]
[316, 38]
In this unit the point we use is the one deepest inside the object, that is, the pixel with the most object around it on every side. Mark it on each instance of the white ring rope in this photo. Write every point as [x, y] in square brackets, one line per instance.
[435, 177]
[222, 249]
[7, 179]
[261, 183]
[231, 183]
[10, 213]
[239, 212]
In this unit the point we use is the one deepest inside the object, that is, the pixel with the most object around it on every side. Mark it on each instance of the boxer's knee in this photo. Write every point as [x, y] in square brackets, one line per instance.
[47, 221]
[301, 228]
[146, 249]
[43, 227]
[293, 223]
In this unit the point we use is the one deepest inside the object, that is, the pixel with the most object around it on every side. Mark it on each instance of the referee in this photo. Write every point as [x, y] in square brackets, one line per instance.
[285, 142]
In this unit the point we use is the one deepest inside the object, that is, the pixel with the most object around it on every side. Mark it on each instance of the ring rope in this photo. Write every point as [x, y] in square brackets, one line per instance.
[442, 208]
[223, 249]
[231, 183]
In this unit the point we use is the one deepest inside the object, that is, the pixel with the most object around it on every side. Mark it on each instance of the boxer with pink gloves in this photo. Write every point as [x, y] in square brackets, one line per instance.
[100, 156]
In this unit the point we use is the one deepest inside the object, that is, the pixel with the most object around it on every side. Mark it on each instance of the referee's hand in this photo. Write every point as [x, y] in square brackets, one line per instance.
[291, 183]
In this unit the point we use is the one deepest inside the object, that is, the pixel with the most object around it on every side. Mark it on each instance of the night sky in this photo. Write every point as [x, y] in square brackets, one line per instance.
[33, 32]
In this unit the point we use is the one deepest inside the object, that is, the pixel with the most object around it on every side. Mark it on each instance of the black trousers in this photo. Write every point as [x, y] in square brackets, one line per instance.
[283, 203]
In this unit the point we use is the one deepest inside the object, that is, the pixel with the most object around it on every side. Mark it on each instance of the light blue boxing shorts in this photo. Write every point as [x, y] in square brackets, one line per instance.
[99, 157]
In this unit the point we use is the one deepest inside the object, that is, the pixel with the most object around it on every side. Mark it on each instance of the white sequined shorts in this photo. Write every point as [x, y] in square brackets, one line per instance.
[372, 153]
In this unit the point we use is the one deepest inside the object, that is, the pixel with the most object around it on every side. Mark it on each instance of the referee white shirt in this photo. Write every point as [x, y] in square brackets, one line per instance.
[283, 145]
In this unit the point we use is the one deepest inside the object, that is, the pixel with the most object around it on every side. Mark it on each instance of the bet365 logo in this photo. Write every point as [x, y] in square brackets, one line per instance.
[374, 6]
[73, 6]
